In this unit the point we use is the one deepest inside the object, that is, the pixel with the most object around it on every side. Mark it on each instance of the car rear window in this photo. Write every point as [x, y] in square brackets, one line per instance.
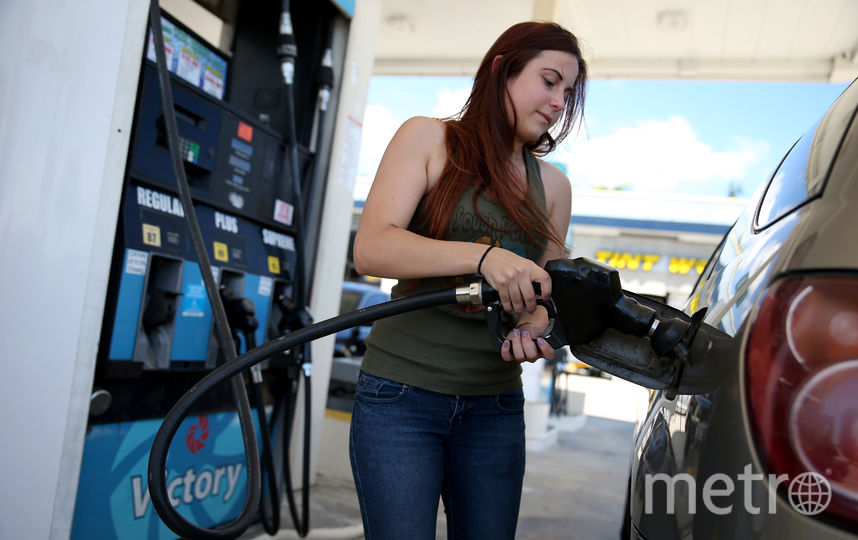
[801, 175]
[788, 187]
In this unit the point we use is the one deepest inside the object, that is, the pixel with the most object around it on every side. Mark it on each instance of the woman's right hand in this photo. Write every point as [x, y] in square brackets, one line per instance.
[512, 276]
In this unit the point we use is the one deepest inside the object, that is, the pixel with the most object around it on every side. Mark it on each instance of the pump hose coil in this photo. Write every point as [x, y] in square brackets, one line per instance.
[171, 423]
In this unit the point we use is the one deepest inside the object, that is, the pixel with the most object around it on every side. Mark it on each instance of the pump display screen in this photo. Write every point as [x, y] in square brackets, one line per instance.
[191, 59]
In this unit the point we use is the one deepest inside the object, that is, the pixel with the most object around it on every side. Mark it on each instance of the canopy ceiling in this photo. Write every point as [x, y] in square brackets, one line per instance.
[778, 40]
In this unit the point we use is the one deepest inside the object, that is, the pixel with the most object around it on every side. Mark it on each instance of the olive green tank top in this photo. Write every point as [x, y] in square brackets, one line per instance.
[448, 349]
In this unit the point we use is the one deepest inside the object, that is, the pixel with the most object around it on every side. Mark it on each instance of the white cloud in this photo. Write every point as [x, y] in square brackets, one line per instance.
[362, 185]
[450, 102]
[658, 155]
[379, 126]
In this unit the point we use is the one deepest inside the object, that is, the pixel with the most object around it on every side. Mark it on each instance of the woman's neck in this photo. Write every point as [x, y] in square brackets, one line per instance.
[517, 156]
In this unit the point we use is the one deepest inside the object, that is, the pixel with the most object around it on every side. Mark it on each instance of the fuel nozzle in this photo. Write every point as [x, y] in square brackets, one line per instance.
[665, 331]
[631, 336]
[160, 309]
[622, 333]
[241, 315]
[590, 299]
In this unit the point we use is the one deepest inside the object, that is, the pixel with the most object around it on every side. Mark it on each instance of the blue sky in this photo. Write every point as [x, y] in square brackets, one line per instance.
[687, 137]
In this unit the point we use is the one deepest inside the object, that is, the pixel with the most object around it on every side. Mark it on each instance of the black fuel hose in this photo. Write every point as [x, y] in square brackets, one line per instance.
[287, 52]
[316, 187]
[241, 315]
[269, 507]
[157, 482]
[287, 402]
[158, 455]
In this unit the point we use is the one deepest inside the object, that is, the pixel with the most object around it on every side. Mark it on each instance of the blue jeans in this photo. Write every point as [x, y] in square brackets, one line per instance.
[409, 447]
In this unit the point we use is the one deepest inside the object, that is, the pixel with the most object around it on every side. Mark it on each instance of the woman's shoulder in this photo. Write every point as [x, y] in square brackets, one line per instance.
[423, 127]
[423, 139]
[552, 174]
[554, 180]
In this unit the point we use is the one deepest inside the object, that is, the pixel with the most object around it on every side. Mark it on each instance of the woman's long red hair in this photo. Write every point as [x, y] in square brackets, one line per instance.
[480, 138]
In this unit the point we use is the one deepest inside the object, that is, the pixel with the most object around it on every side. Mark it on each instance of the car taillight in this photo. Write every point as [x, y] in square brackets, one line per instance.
[802, 384]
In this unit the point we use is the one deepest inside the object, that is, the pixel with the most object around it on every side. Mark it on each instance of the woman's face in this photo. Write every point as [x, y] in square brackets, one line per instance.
[537, 95]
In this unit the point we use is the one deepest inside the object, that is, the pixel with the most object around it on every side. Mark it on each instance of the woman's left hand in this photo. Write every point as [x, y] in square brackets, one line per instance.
[525, 344]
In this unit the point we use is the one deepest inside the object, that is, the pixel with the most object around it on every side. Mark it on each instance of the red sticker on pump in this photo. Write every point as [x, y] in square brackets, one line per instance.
[245, 131]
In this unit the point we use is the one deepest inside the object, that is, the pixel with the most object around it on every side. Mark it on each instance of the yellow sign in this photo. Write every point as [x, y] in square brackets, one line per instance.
[683, 265]
[221, 252]
[628, 260]
[273, 265]
[646, 261]
[151, 235]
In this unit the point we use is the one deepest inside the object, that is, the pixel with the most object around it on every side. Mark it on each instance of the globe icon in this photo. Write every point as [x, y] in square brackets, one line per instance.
[809, 493]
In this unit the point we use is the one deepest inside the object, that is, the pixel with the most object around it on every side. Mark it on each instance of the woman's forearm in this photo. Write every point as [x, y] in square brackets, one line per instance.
[401, 254]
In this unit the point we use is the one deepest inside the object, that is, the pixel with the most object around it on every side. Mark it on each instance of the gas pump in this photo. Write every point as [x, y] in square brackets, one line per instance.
[247, 159]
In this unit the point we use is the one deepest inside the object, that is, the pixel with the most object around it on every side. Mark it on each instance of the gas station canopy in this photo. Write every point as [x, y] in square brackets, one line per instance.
[766, 40]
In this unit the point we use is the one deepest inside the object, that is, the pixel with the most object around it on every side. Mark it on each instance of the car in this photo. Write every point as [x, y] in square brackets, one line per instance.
[771, 449]
[356, 295]
[349, 344]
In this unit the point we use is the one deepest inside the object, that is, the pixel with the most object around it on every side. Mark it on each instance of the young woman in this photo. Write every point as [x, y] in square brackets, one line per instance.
[438, 413]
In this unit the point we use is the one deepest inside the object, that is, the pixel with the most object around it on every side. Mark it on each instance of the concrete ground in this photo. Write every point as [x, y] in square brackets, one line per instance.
[574, 484]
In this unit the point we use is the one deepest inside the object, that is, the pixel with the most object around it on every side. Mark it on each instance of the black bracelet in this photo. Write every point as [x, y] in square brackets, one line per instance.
[480, 264]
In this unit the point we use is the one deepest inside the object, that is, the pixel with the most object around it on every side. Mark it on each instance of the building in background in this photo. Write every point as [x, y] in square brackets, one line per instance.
[659, 243]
